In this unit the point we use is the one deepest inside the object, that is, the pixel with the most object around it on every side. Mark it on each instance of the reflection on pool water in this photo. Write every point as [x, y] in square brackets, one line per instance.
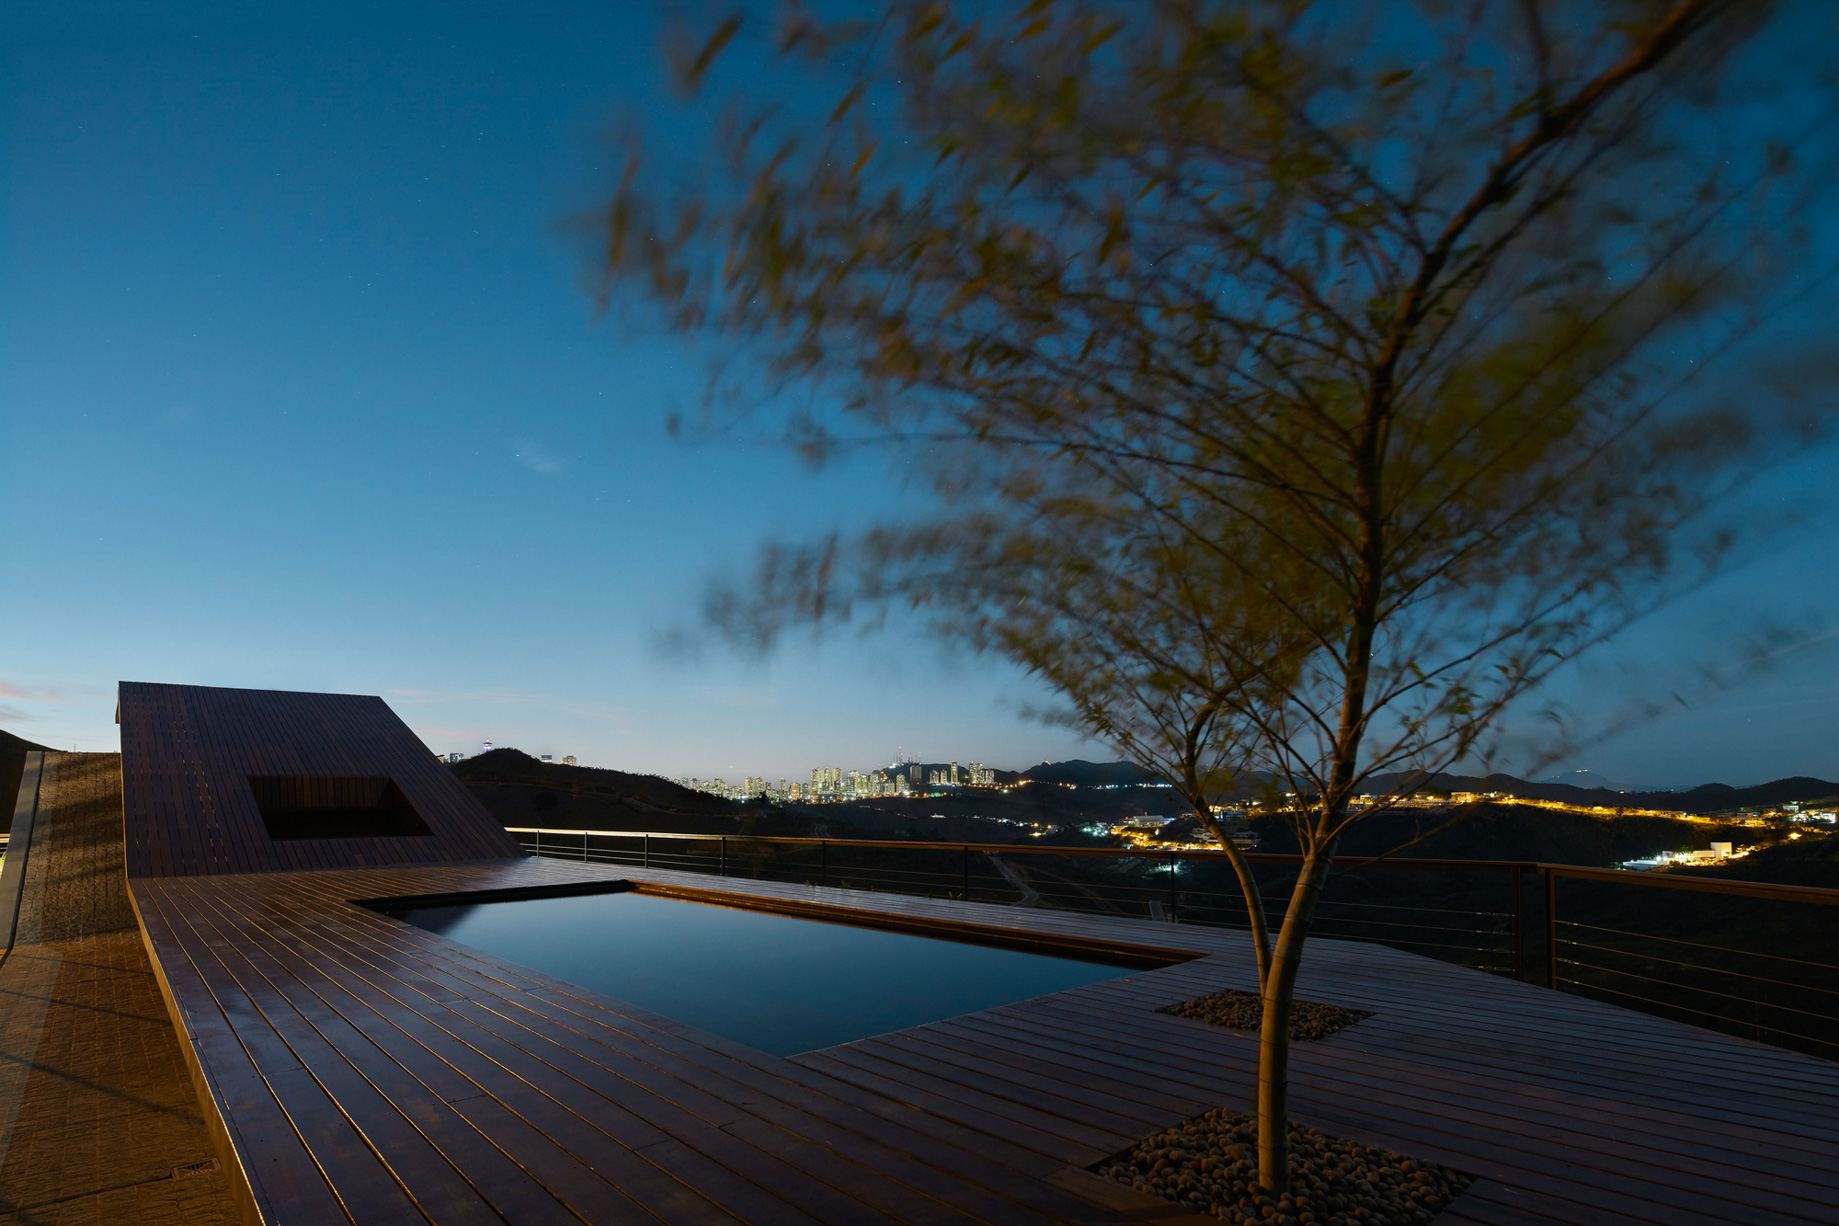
[774, 982]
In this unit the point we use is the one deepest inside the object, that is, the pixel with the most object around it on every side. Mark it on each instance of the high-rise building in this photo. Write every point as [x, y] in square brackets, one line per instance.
[569, 761]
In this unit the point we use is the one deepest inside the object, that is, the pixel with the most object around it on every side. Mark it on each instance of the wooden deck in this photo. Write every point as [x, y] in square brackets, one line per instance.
[370, 1071]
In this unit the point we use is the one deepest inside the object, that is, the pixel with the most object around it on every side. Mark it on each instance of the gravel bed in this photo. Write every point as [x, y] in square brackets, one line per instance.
[1245, 1011]
[1210, 1165]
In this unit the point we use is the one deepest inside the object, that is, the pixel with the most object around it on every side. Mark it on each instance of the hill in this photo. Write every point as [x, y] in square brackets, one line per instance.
[1706, 798]
[1810, 860]
[1081, 773]
[1518, 832]
[521, 791]
[651, 792]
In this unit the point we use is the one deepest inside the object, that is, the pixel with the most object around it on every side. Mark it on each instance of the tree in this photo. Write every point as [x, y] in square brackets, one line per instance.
[1302, 383]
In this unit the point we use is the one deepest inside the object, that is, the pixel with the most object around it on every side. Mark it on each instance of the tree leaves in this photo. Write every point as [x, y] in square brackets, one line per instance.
[1290, 415]
[692, 69]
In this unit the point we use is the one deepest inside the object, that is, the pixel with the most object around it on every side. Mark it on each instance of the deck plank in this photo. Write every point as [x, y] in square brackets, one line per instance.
[688, 1070]
[428, 1092]
[1461, 1054]
[825, 1157]
[1168, 1047]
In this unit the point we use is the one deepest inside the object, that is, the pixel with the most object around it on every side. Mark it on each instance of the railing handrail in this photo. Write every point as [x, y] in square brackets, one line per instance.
[1745, 889]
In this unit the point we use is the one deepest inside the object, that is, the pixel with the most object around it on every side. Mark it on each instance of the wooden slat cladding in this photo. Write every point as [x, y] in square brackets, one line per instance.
[189, 753]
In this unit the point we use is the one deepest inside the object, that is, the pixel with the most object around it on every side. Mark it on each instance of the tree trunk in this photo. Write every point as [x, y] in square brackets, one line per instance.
[1274, 1033]
[1254, 901]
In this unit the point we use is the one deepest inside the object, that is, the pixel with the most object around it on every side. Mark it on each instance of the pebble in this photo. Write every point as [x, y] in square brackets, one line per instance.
[1245, 1011]
[1210, 1163]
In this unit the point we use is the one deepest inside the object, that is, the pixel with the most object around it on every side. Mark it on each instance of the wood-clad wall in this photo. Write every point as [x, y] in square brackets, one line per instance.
[187, 753]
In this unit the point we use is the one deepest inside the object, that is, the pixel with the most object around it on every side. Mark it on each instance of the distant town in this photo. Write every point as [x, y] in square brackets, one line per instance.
[908, 779]
[834, 785]
[827, 784]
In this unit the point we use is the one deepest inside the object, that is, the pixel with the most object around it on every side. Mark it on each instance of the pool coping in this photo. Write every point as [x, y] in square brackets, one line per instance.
[1108, 951]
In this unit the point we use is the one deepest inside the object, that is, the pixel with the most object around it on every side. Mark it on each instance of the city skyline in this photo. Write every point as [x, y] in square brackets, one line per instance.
[831, 784]
[740, 784]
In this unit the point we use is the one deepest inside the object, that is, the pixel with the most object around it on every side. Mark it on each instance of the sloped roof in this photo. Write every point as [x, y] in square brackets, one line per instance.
[189, 752]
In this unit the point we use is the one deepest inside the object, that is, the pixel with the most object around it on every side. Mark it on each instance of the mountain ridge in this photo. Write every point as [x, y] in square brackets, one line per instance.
[512, 767]
[1703, 798]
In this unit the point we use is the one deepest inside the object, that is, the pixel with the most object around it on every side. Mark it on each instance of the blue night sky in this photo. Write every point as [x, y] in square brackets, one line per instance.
[299, 389]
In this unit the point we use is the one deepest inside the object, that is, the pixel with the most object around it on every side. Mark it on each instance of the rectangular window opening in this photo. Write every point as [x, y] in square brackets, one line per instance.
[335, 807]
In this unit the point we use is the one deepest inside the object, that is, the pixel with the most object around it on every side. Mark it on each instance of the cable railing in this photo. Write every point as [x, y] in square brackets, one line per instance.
[1645, 940]
[1718, 964]
[1187, 887]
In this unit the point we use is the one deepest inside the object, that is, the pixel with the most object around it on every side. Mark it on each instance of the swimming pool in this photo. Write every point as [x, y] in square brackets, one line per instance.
[779, 983]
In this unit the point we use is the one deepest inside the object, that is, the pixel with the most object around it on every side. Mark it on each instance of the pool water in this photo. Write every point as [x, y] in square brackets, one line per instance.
[774, 982]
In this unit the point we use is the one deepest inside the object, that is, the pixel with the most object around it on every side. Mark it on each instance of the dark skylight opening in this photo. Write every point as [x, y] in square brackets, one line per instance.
[335, 807]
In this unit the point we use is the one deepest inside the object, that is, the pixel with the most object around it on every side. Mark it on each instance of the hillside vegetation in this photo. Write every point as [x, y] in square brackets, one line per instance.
[1812, 860]
[1521, 832]
[1706, 798]
[521, 791]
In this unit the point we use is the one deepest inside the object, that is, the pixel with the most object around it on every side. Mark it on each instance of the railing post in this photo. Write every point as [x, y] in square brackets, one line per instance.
[724, 855]
[584, 835]
[967, 872]
[646, 852]
[1172, 862]
[539, 844]
[1551, 929]
[823, 862]
[1519, 923]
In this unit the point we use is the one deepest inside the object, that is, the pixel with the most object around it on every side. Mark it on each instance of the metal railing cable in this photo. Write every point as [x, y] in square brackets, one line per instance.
[1722, 949]
[1178, 885]
[1713, 1021]
[1438, 910]
[1699, 966]
[1750, 1001]
[1145, 882]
